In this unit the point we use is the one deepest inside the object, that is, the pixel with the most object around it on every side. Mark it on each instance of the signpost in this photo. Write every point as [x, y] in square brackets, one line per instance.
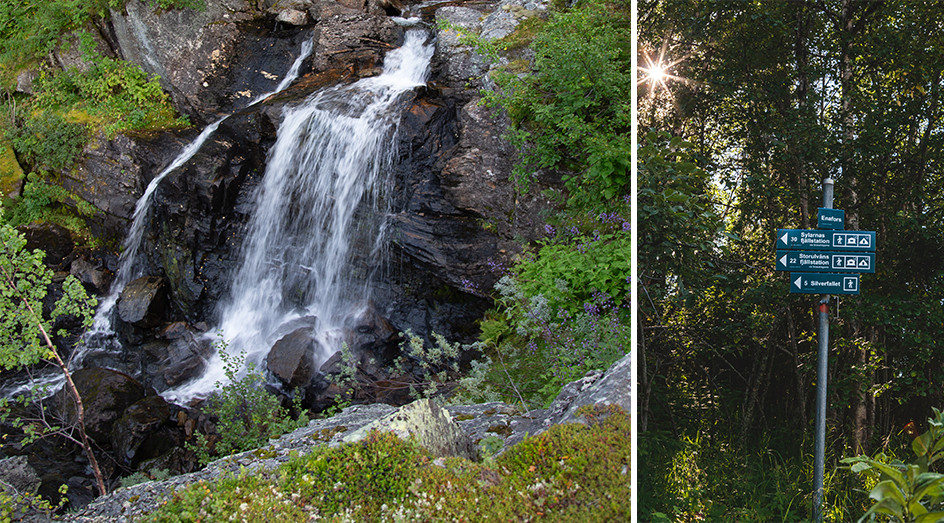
[811, 239]
[831, 218]
[818, 283]
[825, 261]
[828, 261]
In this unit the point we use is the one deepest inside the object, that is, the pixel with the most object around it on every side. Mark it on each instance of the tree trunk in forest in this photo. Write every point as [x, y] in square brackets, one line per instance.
[802, 54]
[801, 382]
[645, 383]
[849, 28]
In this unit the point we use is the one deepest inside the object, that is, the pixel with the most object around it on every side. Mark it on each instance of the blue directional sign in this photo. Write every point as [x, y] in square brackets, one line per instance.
[825, 261]
[819, 283]
[811, 239]
[831, 219]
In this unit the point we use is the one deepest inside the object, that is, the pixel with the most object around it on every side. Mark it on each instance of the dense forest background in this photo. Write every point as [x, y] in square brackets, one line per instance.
[763, 100]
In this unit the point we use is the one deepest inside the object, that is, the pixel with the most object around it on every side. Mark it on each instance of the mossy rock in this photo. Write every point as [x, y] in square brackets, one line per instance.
[12, 176]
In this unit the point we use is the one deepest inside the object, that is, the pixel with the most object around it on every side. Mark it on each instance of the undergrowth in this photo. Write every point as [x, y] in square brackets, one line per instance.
[571, 472]
[248, 415]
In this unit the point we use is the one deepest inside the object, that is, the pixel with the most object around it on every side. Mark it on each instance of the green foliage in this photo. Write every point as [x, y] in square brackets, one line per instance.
[248, 415]
[569, 473]
[31, 29]
[562, 311]
[47, 202]
[142, 477]
[572, 112]
[421, 367]
[907, 492]
[705, 477]
[680, 232]
[436, 360]
[17, 506]
[115, 95]
[24, 281]
[47, 140]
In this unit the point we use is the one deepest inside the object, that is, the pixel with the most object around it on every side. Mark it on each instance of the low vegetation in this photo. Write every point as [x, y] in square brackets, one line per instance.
[571, 472]
[247, 414]
[49, 129]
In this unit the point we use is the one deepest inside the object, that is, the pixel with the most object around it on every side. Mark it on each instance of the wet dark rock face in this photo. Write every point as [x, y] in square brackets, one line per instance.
[456, 215]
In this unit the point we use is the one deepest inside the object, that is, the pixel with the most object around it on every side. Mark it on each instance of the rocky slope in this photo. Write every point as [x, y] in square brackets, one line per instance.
[450, 431]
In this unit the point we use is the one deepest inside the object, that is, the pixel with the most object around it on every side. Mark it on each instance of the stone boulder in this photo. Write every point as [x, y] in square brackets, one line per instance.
[372, 333]
[429, 424]
[179, 354]
[137, 425]
[292, 358]
[459, 62]
[219, 59]
[106, 394]
[355, 41]
[113, 173]
[90, 270]
[17, 477]
[142, 302]
[51, 238]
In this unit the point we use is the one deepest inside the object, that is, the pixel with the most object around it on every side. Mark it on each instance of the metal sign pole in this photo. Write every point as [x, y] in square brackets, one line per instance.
[822, 370]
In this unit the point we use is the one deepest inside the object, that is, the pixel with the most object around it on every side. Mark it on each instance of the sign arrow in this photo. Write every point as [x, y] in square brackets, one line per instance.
[819, 283]
[824, 240]
[825, 261]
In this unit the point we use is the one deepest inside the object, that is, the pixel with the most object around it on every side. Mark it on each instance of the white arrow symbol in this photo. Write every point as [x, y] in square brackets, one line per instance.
[784, 260]
[798, 282]
[784, 238]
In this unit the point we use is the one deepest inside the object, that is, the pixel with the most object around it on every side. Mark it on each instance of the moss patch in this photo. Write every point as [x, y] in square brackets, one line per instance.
[11, 174]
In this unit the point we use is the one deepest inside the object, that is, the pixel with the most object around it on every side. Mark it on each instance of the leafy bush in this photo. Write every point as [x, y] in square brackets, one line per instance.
[47, 140]
[562, 311]
[47, 202]
[115, 95]
[573, 111]
[907, 491]
[248, 415]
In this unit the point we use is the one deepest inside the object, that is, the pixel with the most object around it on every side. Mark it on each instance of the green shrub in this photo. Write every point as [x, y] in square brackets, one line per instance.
[716, 478]
[573, 111]
[47, 202]
[113, 95]
[562, 311]
[47, 140]
[248, 415]
[911, 491]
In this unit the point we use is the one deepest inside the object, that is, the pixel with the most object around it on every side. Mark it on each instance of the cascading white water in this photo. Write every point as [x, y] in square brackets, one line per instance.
[101, 335]
[319, 204]
[129, 255]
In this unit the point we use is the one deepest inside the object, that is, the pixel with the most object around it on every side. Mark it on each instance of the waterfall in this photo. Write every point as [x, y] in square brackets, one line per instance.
[101, 336]
[127, 272]
[317, 230]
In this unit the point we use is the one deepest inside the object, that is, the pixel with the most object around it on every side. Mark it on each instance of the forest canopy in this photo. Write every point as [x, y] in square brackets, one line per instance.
[744, 108]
